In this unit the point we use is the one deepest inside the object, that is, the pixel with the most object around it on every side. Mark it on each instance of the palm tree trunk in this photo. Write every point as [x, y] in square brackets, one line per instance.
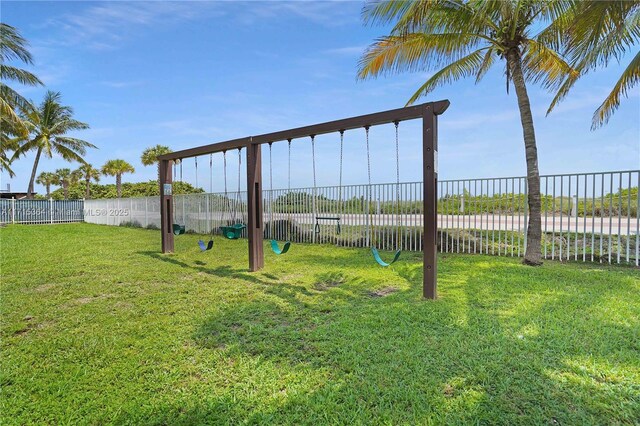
[65, 188]
[87, 189]
[119, 184]
[48, 190]
[532, 254]
[33, 174]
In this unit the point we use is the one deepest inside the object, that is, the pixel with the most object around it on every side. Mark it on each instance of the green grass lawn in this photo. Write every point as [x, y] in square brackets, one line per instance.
[99, 328]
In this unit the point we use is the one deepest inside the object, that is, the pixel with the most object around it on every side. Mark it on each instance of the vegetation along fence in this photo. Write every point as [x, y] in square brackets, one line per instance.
[585, 216]
[41, 211]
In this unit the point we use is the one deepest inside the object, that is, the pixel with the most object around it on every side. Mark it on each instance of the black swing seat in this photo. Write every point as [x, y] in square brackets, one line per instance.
[233, 232]
[330, 218]
[179, 229]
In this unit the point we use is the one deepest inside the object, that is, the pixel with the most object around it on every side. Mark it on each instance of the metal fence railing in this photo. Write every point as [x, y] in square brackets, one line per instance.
[41, 211]
[585, 216]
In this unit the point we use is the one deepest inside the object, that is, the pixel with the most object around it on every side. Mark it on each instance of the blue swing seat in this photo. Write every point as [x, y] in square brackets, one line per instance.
[276, 248]
[205, 247]
[381, 262]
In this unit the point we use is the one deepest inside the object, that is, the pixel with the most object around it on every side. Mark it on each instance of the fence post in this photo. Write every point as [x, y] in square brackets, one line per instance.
[13, 210]
[574, 207]
[462, 203]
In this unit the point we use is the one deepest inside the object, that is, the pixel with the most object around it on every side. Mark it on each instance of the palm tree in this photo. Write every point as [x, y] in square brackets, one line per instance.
[12, 47]
[117, 168]
[598, 32]
[48, 124]
[150, 156]
[66, 178]
[47, 179]
[88, 173]
[460, 38]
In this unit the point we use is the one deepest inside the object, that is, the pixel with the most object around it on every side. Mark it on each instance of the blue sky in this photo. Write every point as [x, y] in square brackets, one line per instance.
[184, 74]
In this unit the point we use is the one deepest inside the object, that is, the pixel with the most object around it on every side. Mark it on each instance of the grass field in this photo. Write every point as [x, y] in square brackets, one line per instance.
[99, 328]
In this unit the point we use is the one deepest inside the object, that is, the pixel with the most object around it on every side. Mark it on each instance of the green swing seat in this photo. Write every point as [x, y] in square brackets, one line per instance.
[178, 229]
[381, 262]
[276, 248]
[233, 232]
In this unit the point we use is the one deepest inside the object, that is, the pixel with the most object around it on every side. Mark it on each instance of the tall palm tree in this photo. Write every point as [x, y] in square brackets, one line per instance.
[150, 156]
[13, 47]
[117, 168]
[48, 124]
[47, 179]
[65, 178]
[88, 173]
[596, 33]
[464, 38]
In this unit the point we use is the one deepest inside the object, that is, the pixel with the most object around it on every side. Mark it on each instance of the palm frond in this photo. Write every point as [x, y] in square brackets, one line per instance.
[627, 80]
[8, 72]
[13, 45]
[487, 62]
[545, 66]
[413, 52]
[464, 67]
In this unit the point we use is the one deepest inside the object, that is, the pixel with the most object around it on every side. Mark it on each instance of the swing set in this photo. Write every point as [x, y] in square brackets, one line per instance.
[428, 112]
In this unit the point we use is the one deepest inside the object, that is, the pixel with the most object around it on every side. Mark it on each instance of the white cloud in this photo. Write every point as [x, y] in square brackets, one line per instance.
[347, 50]
[105, 26]
[121, 84]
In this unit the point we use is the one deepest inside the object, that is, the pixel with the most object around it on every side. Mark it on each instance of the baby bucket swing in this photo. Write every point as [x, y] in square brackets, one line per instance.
[371, 234]
[234, 230]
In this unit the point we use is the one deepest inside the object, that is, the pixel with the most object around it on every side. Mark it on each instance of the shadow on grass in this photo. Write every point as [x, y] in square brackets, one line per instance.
[483, 354]
[506, 344]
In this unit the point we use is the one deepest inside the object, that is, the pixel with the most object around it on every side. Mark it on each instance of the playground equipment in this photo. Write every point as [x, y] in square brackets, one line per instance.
[274, 243]
[177, 228]
[428, 112]
[371, 234]
[201, 243]
[319, 219]
[232, 231]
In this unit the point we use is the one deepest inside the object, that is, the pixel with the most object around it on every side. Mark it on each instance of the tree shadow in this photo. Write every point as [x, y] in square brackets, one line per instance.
[500, 346]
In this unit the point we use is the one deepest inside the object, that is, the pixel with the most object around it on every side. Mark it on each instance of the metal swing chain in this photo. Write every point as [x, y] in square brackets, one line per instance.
[398, 219]
[369, 219]
[211, 173]
[340, 181]
[313, 159]
[235, 210]
[289, 207]
[226, 194]
[270, 186]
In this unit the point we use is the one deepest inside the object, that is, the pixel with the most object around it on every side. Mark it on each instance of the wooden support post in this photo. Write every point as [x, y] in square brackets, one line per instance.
[166, 205]
[430, 199]
[254, 207]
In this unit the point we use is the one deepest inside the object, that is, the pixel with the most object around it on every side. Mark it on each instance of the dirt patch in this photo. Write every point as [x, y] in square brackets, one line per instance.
[89, 299]
[326, 281]
[43, 288]
[383, 292]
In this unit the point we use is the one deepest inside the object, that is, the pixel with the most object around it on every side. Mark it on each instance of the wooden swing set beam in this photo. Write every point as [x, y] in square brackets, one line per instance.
[428, 112]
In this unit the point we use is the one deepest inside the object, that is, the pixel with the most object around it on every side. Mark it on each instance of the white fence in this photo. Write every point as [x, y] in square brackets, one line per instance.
[41, 211]
[585, 217]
